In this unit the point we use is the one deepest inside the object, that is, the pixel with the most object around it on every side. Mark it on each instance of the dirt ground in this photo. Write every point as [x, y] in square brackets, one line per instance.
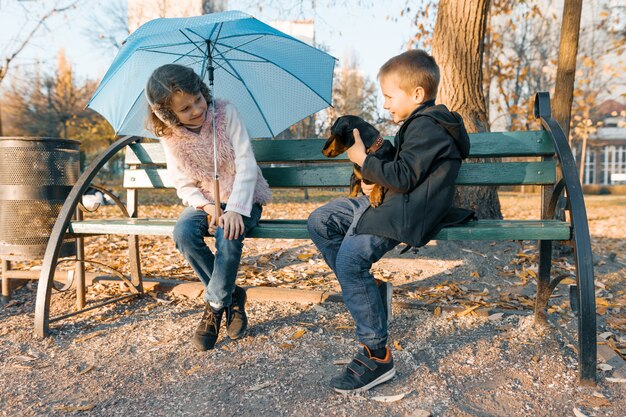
[135, 358]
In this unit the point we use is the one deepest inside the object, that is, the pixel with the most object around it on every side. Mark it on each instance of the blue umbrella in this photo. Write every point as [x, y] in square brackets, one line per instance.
[273, 79]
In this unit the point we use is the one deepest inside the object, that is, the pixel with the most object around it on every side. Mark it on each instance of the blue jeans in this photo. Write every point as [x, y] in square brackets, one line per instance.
[217, 272]
[351, 256]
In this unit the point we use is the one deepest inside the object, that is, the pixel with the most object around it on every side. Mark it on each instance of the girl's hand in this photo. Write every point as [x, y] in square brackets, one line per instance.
[356, 152]
[209, 209]
[232, 223]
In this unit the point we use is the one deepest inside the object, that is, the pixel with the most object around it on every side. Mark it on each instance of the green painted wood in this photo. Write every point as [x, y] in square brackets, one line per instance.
[511, 144]
[508, 173]
[338, 175]
[296, 229]
[489, 144]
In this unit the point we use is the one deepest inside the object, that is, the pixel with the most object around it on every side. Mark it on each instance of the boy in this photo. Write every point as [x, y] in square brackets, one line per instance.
[352, 236]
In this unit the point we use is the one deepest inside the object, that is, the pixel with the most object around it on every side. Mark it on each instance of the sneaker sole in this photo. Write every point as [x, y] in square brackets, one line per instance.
[383, 378]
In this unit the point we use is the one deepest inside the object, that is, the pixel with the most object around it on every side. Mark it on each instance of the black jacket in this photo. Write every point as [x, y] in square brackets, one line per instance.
[420, 180]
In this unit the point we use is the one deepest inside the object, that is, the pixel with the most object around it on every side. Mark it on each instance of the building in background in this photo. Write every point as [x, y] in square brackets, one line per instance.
[605, 157]
[141, 11]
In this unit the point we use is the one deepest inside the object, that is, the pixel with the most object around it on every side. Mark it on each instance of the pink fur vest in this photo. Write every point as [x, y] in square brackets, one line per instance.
[194, 153]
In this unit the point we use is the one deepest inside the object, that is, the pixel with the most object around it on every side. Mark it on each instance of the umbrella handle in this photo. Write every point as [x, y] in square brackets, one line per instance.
[216, 197]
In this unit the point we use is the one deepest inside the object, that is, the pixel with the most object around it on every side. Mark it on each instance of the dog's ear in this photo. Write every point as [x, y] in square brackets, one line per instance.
[333, 147]
[342, 126]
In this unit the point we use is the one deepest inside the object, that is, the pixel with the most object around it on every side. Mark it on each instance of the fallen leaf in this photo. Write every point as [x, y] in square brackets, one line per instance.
[82, 407]
[87, 369]
[341, 361]
[193, 370]
[618, 380]
[286, 346]
[89, 336]
[298, 334]
[260, 386]
[496, 316]
[475, 274]
[397, 345]
[437, 311]
[604, 366]
[579, 413]
[605, 335]
[389, 398]
[467, 311]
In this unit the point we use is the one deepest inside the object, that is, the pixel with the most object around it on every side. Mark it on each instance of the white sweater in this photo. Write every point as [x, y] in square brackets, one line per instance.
[241, 197]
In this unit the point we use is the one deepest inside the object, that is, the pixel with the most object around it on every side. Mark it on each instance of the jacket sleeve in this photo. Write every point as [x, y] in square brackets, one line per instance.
[423, 142]
[246, 170]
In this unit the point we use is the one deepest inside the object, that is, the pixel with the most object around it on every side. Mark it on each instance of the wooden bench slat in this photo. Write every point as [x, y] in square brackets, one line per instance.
[338, 175]
[488, 144]
[296, 229]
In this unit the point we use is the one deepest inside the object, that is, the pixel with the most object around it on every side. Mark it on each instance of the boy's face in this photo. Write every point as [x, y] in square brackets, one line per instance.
[398, 101]
[190, 109]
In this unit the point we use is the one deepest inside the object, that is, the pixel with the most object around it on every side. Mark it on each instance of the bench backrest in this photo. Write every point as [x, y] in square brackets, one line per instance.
[299, 163]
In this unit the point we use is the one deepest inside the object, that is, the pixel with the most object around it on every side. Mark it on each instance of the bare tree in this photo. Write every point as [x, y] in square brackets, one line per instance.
[109, 24]
[8, 59]
[23, 41]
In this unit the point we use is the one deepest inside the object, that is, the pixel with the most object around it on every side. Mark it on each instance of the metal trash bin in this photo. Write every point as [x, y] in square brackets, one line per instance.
[36, 175]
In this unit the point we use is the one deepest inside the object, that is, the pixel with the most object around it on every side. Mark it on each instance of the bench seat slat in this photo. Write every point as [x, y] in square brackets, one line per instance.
[296, 229]
[488, 144]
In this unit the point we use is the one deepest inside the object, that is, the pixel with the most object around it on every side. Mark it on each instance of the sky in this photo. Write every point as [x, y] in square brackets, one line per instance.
[364, 30]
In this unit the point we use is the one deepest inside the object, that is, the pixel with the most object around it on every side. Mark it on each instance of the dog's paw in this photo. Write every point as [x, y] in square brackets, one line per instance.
[376, 196]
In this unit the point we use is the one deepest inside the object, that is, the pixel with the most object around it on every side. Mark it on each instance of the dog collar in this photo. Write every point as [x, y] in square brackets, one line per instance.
[376, 145]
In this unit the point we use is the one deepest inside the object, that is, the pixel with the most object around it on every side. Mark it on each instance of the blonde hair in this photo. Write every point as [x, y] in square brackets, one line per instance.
[164, 82]
[414, 68]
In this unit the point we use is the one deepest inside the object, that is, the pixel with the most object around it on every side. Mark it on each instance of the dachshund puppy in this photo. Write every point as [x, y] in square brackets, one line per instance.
[341, 138]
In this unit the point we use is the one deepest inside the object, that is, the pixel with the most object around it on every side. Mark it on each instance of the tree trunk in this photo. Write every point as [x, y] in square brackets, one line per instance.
[566, 66]
[458, 46]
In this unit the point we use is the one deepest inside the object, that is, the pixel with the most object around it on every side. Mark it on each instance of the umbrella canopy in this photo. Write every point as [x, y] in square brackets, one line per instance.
[273, 79]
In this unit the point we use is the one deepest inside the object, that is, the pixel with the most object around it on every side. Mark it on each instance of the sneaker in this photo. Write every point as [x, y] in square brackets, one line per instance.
[236, 318]
[385, 289]
[364, 372]
[208, 329]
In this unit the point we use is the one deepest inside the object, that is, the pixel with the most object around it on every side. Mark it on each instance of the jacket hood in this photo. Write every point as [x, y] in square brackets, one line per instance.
[452, 122]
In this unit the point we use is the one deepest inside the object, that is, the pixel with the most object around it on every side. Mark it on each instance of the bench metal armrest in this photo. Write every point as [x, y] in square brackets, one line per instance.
[582, 243]
[44, 288]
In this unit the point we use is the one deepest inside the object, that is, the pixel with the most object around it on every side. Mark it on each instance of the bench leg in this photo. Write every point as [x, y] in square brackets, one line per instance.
[80, 274]
[544, 289]
[6, 288]
[135, 262]
[587, 339]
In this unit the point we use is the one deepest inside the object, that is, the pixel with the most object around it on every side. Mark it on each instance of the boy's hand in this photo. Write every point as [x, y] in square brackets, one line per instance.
[367, 188]
[356, 152]
[232, 223]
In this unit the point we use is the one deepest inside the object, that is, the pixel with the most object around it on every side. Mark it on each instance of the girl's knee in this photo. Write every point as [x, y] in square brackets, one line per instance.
[185, 231]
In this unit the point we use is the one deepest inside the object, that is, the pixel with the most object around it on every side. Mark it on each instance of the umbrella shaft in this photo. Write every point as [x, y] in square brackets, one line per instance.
[216, 197]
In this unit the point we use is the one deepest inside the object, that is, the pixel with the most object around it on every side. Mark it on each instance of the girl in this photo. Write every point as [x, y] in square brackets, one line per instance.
[181, 115]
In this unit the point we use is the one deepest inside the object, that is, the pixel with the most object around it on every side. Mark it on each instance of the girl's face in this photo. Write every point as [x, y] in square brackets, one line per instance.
[190, 109]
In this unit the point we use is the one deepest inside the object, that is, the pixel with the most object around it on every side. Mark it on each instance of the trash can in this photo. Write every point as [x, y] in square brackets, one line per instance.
[36, 175]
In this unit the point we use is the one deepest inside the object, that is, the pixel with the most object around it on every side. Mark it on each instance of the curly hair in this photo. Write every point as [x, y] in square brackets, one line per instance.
[164, 82]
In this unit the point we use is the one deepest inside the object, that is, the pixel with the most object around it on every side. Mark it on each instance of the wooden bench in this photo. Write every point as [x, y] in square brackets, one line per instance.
[300, 164]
